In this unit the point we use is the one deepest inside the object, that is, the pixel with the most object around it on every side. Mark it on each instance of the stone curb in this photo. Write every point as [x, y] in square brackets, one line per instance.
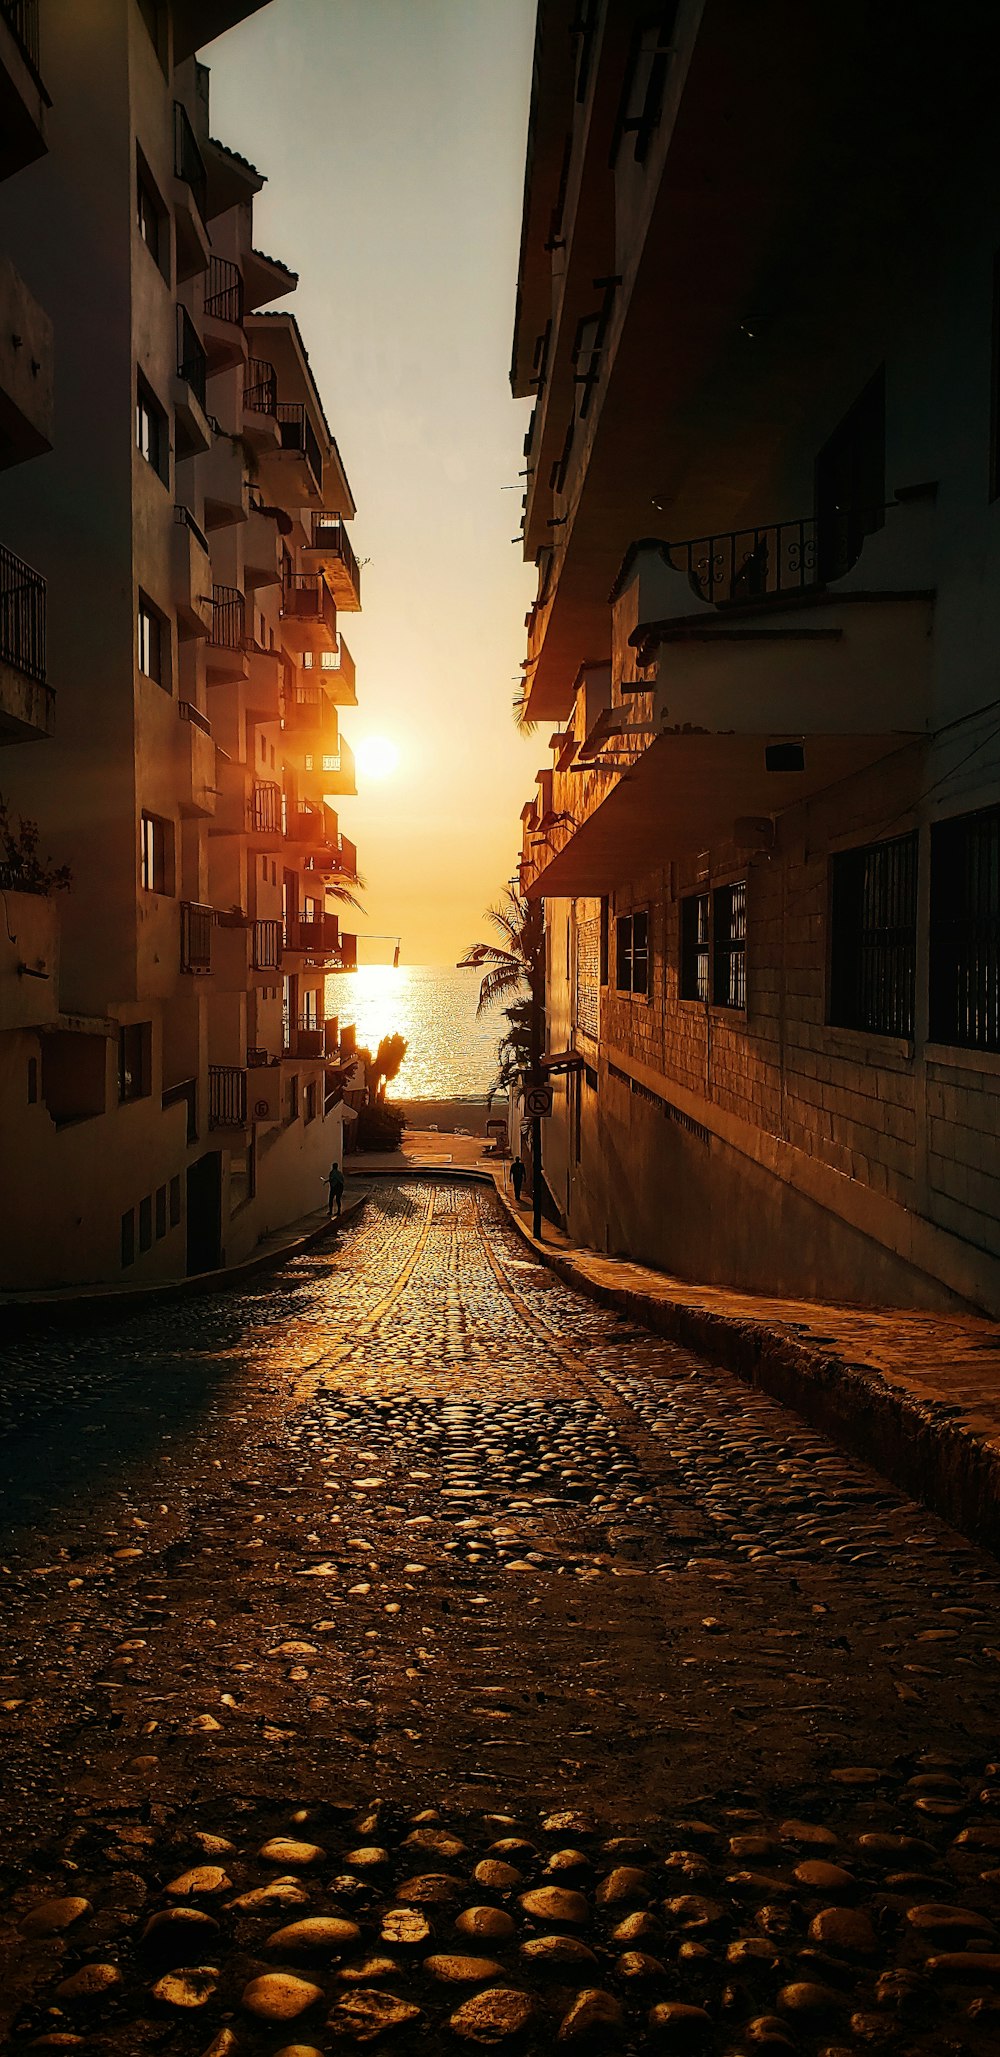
[398, 1171]
[919, 1445]
[102, 1302]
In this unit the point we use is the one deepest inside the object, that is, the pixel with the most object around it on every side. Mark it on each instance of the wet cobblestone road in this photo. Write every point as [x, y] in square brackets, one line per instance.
[408, 1653]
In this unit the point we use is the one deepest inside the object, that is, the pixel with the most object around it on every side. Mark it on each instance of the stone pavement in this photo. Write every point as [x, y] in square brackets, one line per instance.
[917, 1394]
[409, 1652]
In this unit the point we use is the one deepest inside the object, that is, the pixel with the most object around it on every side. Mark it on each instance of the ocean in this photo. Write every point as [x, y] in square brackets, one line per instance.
[450, 1055]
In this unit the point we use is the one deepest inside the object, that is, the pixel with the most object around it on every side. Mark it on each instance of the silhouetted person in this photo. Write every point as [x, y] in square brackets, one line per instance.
[517, 1177]
[335, 1180]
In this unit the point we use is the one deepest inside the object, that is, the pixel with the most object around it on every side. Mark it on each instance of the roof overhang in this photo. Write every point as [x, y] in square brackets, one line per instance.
[687, 792]
[197, 22]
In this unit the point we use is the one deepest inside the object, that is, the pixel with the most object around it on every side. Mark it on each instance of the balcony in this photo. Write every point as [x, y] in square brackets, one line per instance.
[190, 197]
[261, 560]
[190, 576]
[26, 397]
[227, 644]
[329, 771]
[348, 954]
[227, 1096]
[263, 697]
[260, 404]
[291, 471]
[329, 551]
[225, 342]
[345, 859]
[23, 98]
[26, 701]
[303, 1036]
[339, 676]
[265, 815]
[310, 711]
[314, 942]
[197, 780]
[313, 833]
[266, 946]
[223, 479]
[197, 923]
[193, 434]
[308, 614]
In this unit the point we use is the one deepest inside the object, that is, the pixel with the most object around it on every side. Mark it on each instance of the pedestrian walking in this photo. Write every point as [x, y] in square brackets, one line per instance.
[335, 1180]
[517, 1177]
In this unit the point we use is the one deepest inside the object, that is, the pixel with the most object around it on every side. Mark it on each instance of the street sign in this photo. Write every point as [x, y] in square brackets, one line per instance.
[537, 1101]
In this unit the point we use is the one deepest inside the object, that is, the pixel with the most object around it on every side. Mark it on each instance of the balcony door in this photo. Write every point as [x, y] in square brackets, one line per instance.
[850, 482]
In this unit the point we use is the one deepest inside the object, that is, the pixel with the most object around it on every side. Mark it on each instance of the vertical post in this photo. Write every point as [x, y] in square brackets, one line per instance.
[537, 1079]
[536, 1179]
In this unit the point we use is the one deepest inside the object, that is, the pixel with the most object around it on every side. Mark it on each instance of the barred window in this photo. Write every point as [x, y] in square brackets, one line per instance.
[965, 931]
[632, 953]
[729, 945]
[873, 937]
[695, 954]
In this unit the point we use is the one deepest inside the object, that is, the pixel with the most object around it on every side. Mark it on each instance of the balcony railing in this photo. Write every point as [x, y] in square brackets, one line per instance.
[189, 163]
[224, 290]
[228, 618]
[260, 386]
[330, 533]
[197, 923]
[297, 433]
[227, 1096]
[781, 558]
[306, 596]
[267, 941]
[195, 716]
[192, 364]
[185, 519]
[186, 1092]
[265, 806]
[347, 857]
[22, 616]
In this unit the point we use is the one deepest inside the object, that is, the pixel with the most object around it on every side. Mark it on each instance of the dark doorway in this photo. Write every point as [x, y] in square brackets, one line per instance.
[850, 482]
[204, 1213]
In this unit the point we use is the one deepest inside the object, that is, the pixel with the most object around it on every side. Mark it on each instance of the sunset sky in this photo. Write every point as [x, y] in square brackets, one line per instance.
[392, 135]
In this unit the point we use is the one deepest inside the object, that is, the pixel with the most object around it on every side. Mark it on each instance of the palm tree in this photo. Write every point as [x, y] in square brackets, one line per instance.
[517, 962]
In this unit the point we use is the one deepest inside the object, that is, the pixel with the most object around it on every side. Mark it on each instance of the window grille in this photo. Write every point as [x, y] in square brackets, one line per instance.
[695, 953]
[632, 953]
[873, 937]
[729, 945]
[965, 931]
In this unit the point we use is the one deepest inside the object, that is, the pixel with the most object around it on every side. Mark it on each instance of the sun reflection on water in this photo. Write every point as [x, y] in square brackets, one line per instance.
[450, 1055]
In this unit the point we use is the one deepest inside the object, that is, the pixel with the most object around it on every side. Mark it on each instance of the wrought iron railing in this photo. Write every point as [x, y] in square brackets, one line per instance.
[22, 616]
[227, 1096]
[189, 163]
[21, 17]
[192, 364]
[264, 808]
[260, 386]
[329, 533]
[297, 433]
[195, 716]
[197, 923]
[779, 558]
[224, 290]
[305, 596]
[267, 940]
[228, 618]
[185, 519]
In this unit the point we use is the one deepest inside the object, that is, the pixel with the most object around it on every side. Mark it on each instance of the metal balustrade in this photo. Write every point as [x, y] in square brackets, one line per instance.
[192, 364]
[777, 559]
[267, 945]
[297, 433]
[197, 923]
[329, 532]
[228, 618]
[260, 386]
[21, 17]
[224, 290]
[227, 1096]
[22, 616]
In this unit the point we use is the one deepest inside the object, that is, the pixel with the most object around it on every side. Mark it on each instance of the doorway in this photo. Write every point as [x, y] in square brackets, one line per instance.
[204, 1213]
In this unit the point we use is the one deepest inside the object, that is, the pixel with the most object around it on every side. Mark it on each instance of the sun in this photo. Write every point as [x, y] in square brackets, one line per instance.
[377, 757]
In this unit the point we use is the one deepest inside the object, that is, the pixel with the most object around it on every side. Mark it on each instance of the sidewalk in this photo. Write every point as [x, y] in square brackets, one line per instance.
[915, 1395]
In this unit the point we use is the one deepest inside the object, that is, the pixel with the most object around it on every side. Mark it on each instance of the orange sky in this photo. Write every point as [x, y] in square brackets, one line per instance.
[392, 133]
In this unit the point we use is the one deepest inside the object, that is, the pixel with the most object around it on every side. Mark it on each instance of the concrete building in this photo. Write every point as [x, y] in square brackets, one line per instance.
[758, 310]
[166, 1092]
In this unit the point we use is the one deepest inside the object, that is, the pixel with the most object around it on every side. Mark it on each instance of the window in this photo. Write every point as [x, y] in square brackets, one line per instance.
[605, 941]
[128, 1237]
[293, 1097]
[175, 1201]
[152, 643]
[632, 953]
[729, 945]
[331, 760]
[695, 950]
[151, 430]
[308, 760]
[161, 1212]
[873, 927]
[146, 1222]
[134, 1049]
[151, 217]
[329, 660]
[263, 749]
[156, 844]
[965, 931]
[307, 659]
[309, 1111]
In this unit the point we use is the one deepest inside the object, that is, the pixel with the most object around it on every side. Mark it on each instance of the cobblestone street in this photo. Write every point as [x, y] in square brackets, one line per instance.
[405, 1648]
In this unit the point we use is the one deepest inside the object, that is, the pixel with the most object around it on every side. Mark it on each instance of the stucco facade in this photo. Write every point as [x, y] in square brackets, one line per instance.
[166, 1090]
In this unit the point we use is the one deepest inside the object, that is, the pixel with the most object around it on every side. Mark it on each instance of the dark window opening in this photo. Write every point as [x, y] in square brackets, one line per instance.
[605, 939]
[152, 643]
[695, 948]
[151, 218]
[729, 945]
[175, 1201]
[632, 953]
[965, 931]
[146, 1222]
[156, 847]
[161, 1212]
[873, 937]
[309, 1109]
[128, 1237]
[134, 1067]
[151, 435]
